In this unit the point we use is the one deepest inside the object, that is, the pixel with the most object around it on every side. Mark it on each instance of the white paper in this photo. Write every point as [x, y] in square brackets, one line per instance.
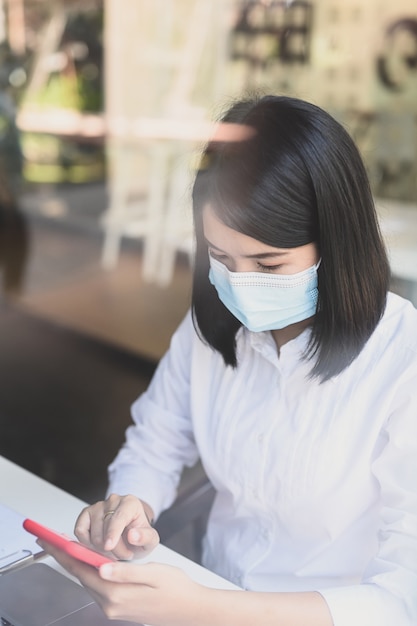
[16, 544]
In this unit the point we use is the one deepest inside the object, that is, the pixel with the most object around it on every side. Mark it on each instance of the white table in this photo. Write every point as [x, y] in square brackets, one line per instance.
[35, 498]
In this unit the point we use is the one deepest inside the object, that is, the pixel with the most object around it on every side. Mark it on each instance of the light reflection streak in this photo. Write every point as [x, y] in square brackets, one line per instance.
[73, 124]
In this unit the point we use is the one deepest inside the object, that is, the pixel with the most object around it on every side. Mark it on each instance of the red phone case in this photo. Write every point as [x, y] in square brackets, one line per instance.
[73, 548]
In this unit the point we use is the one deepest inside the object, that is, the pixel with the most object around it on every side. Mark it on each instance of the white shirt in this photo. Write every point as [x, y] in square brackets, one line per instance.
[316, 483]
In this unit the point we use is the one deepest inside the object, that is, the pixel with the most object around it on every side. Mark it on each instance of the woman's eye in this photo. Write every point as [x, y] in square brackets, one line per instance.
[268, 268]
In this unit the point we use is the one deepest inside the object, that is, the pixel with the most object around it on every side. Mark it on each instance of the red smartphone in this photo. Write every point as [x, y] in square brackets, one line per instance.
[73, 548]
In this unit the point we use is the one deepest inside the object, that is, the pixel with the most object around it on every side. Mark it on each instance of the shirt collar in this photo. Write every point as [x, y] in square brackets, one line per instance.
[263, 342]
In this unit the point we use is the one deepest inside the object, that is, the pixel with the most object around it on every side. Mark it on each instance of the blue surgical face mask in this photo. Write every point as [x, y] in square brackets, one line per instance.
[266, 301]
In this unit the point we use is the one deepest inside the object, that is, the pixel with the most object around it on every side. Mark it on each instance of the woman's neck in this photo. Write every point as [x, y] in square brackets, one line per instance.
[284, 335]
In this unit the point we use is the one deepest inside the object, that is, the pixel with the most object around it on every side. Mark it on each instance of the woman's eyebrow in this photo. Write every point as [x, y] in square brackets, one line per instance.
[259, 255]
[264, 255]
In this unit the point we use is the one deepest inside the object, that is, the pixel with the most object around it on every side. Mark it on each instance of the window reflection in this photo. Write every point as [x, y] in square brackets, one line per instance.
[103, 114]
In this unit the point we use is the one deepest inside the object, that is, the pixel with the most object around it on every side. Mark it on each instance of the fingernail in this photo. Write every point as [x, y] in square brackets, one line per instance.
[108, 545]
[135, 535]
[106, 571]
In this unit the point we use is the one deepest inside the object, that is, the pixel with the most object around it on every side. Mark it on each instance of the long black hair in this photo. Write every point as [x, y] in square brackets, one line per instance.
[297, 178]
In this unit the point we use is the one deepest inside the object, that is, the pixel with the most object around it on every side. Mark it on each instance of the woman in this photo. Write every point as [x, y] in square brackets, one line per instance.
[295, 382]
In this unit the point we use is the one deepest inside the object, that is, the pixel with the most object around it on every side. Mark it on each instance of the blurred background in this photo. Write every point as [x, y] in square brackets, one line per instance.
[104, 108]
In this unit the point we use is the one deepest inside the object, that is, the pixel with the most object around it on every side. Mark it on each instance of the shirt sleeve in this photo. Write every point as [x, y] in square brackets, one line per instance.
[160, 442]
[388, 593]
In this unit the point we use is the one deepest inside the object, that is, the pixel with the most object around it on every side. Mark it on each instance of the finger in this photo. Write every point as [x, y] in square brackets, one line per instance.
[145, 538]
[89, 524]
[147, 574]
[91, 527]
[127, 514]
[135, 542]
[82, 526]
[104, 522]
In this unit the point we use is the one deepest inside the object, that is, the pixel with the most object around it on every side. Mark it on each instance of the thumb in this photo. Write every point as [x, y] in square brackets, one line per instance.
[148, 574]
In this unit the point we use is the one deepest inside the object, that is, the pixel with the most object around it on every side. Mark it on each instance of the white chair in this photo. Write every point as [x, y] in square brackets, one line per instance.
[161, 217]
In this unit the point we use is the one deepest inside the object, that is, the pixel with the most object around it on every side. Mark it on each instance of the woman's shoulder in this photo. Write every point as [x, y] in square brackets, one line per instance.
[185, 332]
[187, 336]
[399, 322]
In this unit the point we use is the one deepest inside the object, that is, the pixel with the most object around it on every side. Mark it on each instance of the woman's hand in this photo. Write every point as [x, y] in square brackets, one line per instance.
[162, 595]
[120, 525]
[152, 593]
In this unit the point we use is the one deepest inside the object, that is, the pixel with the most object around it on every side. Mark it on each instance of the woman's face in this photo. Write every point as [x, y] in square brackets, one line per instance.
[241, 253]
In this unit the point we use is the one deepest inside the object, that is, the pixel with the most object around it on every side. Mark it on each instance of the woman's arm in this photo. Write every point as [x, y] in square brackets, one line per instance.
[160, 442]
[162, 595]
[248, 608]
